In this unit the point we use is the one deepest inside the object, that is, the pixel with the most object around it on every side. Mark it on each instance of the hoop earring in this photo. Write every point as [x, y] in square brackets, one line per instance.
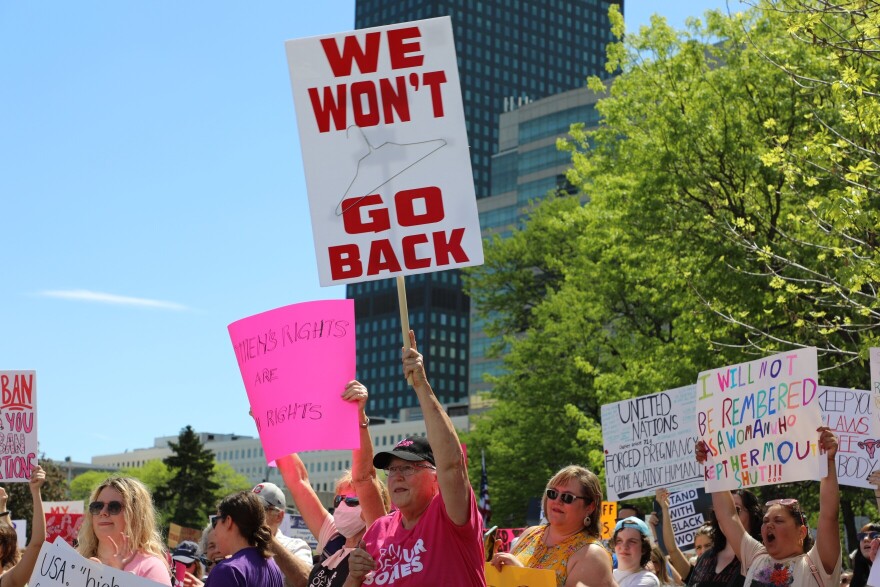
[587, 521]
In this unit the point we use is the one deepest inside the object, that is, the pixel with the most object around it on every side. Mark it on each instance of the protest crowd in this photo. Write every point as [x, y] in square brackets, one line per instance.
[423, 526]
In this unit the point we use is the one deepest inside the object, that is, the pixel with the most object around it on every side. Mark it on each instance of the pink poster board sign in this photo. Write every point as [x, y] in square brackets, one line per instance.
[295, 362]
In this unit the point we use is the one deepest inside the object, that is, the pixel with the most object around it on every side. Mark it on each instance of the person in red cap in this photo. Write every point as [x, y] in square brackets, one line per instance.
[435, 535]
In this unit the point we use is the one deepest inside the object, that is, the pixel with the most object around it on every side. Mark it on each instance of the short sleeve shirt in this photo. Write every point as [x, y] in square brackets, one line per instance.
[795, 571]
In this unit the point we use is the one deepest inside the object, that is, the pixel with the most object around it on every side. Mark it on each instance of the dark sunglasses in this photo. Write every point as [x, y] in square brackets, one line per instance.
[872, 535]
[217, 518]
[351, 502]
[114, 508]
[565, 498]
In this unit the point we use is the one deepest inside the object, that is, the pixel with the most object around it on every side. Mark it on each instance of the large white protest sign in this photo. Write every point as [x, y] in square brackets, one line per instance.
[18, 424]
[874, 356]
[294, 526]
[759, 420]
[59, 565]
[384, 145]
[852, 415]
[649, 443]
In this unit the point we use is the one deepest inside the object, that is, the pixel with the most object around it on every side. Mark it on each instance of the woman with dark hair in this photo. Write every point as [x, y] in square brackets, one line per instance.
[240, 532]
[861, 560]
[569, 543]
[787, 556]
[633, 549]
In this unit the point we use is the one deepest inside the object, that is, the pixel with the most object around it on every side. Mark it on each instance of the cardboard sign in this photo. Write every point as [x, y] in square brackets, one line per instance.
[759, 420]
[385, 150]
[178, 533]
[63, 519]
[295, 362]
[688, 510]
[649, 444]
[852, 415]
[18, 424]
[608, 519]
[59, 565]
[511, 576]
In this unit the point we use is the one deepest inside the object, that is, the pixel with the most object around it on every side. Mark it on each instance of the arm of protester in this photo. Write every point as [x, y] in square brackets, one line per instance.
[828, 531]
[676, 557]
[591, 566]
[296, 477]
[19, 575]
[725, 510]
[360, 563]
[295, 570]
[452, 476]
[363, 473]
[500, 559]
[6, 516]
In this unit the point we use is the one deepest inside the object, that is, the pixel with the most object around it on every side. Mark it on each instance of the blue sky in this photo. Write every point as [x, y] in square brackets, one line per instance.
[152, 192]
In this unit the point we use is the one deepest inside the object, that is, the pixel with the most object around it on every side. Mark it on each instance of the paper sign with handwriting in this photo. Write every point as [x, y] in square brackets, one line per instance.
[59, 565]
[385, 151]
[18, 425]
[608, 519]
[295, 362]
[688, 510]
[64, 519]
[759, 420]
[649, 443]
[852, 415]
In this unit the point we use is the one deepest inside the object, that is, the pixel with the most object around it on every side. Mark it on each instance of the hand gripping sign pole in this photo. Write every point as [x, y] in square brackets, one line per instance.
[404, 317]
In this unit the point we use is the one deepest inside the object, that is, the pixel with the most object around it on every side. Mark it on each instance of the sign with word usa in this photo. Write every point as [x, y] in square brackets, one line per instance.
[759, 421]
[18, 424]
[384, 145]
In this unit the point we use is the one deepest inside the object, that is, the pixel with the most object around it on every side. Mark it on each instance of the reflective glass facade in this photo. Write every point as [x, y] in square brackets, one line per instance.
[510, 52]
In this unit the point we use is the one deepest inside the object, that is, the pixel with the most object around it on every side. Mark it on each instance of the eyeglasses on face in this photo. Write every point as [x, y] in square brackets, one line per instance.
[407, 470]
[870, 535]
[114, 508]
[565, 498]
[350, 501]
[217, 518]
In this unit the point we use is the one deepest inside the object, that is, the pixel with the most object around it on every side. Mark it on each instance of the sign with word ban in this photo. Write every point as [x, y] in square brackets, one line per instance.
[295, 362]
[649, 443]
[18, 425]
[759, 420]
[385, 150]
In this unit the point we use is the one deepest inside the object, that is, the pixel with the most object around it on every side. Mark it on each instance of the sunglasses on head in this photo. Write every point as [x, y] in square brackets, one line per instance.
[114, 508]
[351, 502]
[872, 535]
[566, 498]
[789, 503]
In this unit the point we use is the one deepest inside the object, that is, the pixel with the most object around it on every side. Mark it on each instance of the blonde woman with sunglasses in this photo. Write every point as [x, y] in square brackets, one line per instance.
[119, 530]
[788, 557]
[569, 543]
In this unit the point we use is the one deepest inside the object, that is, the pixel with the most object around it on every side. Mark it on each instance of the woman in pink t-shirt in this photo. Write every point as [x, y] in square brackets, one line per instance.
[119, 530]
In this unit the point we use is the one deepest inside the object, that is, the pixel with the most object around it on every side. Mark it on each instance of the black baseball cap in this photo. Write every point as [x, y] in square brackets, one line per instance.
[412, 448]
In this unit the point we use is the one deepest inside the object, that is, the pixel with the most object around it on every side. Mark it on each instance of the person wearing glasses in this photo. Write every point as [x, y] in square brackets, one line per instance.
[862, 559]
[119, 530]
[632, 545]
[275, 505]
[435, 536]
[241, 532]
[788, 556]
[569, 542]
[360, 499]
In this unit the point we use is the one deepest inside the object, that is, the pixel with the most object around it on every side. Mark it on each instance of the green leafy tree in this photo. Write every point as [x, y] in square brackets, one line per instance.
[82, 485]
[189, 495]
[229, 481]
[154, 474]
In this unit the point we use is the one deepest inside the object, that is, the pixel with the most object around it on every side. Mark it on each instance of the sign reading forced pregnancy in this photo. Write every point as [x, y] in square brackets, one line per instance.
[295, 362]
[649, 443]
[759, 420]
[384, 145]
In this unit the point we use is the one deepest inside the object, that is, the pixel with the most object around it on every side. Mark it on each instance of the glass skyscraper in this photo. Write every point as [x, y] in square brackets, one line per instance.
[510, 53]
